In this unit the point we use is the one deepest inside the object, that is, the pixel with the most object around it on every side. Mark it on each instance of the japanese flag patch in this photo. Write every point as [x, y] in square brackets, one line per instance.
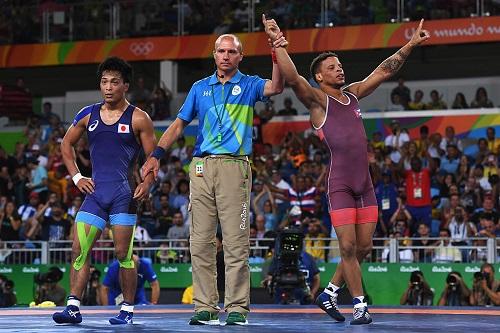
[122, 128]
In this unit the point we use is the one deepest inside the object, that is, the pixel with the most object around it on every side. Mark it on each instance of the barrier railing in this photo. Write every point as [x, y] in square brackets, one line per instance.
[162, 251]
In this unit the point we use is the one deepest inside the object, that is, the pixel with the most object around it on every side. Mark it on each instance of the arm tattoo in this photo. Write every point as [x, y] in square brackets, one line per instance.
[392, 64]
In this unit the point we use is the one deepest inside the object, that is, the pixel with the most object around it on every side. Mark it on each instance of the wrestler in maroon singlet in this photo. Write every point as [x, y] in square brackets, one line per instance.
[351, 198]
[334, 109]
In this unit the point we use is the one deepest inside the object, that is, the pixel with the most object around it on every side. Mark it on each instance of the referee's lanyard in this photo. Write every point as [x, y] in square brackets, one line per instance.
[220, 113]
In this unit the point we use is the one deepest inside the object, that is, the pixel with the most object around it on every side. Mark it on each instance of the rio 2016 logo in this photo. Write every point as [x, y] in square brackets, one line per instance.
[243, 216]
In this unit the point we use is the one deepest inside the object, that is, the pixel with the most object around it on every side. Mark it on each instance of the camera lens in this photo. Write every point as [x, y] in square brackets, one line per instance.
[452, 280]
[9, 284]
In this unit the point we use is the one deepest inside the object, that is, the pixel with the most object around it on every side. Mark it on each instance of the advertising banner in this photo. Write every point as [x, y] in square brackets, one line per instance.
[383, 282]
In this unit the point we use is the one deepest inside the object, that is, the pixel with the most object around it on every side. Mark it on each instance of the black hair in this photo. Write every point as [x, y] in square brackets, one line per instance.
[445, 230]
[483, 266]
[180, 183]
[116, 64]
[317, 62]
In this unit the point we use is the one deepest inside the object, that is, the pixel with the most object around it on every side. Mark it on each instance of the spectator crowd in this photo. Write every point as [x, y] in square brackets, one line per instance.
[401, 100]
[21, 22]
[434, 185]
[425, 187]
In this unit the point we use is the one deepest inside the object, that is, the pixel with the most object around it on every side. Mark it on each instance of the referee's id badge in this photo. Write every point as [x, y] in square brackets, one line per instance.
[198, 169]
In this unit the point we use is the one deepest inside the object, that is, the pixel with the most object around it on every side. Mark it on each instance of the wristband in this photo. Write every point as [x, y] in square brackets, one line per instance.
[273, 56]
[76, 178]
[158, 153]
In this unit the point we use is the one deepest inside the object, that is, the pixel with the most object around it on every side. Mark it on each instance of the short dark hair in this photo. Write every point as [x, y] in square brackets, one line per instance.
[445, 230]
[116, 64]
[317, 62]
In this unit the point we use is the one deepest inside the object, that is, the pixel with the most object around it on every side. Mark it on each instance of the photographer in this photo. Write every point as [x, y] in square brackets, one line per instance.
[7, 294]
[418, 291]
[92, 292]
[485, 289]
[111, 290]
[456, 292]
[48, 288]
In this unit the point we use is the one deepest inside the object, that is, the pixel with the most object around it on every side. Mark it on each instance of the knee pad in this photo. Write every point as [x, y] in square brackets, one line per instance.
[85, 243]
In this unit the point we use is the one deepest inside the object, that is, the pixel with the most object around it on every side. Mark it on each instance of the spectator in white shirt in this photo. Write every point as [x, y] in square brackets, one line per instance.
[396, 140]
[449, 138]
[180, 151]
[446, 252]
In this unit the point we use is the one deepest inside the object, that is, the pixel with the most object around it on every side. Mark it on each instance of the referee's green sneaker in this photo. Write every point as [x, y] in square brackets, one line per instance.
[204, 318]
[236, 318]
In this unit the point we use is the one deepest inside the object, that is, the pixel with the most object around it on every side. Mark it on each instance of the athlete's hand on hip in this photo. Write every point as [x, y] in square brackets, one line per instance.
[141, 192]
[86, 185]
[151, 165]
[420, 35]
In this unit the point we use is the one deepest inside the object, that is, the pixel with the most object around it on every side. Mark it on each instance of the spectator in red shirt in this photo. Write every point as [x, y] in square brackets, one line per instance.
[418, 192]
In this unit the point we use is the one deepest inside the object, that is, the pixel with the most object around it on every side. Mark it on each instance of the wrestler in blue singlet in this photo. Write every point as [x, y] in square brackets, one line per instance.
[113, 153]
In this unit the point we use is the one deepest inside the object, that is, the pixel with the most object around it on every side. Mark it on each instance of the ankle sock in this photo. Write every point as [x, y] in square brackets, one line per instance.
[127, 307]
[73, 300]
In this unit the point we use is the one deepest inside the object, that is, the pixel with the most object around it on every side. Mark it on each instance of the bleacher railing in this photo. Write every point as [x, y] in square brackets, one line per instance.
[161, 251]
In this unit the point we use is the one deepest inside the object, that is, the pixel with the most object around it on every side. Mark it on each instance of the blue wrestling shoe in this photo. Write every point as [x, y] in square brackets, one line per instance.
[328, 303]
[70, 315]
[361, 315]
[124, 317]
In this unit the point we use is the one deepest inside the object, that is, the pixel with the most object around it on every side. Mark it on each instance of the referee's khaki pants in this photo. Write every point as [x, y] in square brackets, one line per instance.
[222, 195]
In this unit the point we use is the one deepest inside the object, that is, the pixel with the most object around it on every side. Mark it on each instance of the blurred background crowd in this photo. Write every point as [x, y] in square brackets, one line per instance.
[37, 21]
[425, 187]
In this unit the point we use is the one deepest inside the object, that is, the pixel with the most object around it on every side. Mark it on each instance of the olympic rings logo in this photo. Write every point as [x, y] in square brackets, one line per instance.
[140, 48]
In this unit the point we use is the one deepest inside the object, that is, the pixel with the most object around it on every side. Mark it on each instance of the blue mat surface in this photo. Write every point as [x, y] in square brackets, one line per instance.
[263, 318]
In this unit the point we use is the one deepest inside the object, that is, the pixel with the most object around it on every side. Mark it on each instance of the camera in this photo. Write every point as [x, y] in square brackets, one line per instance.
[8, 285]
[287, 275]
[451, 280]
[481, 276]
[416, 280]
[53, 275]
[95, 275]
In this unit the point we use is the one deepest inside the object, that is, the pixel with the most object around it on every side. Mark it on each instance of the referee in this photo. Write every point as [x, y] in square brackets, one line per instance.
[220, 177]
